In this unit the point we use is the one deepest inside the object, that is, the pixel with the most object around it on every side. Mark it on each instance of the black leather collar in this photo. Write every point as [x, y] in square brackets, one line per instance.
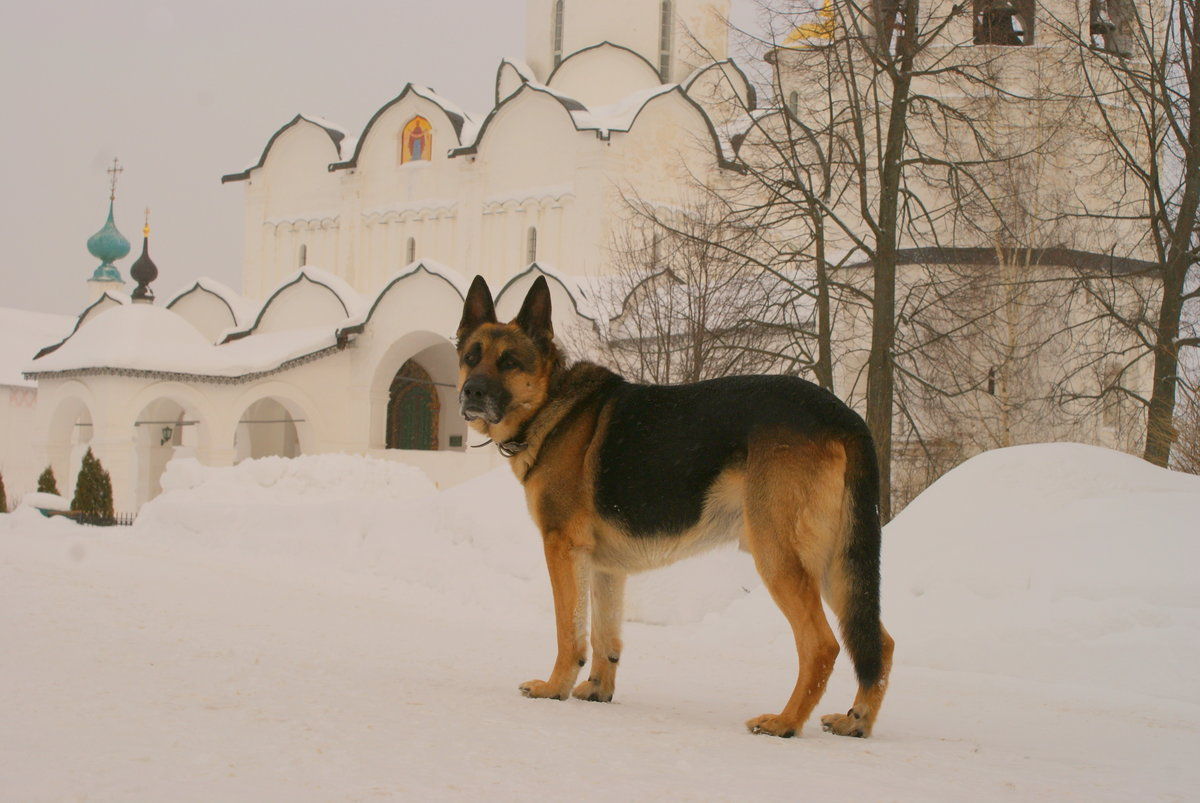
[511, 448]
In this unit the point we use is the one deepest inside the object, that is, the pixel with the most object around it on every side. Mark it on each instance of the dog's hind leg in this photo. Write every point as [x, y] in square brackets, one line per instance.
[852, 590]
[570, 570]
[859, 720]
[608, 598]
[799, 599]
[792, 515]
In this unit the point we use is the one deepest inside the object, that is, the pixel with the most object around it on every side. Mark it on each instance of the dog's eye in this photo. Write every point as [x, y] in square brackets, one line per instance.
[508, 362]
[471, 358]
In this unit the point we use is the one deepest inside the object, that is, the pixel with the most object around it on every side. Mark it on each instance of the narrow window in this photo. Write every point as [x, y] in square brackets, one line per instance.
[1003, 22]
[991, 381]
[664, 42]
[888, 23]
[410, 251]
[531, 245]
[303, 255]
[794, 103]
[1109, 26]
[558, 32]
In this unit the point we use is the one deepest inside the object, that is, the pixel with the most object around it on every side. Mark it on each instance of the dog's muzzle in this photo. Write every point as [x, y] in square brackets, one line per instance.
[482, 397]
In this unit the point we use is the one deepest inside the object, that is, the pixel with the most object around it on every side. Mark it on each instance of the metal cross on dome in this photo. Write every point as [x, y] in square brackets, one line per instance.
[114, 172]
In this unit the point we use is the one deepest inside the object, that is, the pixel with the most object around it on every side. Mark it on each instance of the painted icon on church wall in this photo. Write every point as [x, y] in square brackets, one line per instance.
[416, 141]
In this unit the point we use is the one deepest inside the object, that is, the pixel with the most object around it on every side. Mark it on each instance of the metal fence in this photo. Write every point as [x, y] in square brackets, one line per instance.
[100, 520]
[97, 519]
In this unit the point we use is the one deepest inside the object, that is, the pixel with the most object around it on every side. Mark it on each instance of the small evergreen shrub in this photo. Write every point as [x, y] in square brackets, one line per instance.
[93, 489]
[47, 484]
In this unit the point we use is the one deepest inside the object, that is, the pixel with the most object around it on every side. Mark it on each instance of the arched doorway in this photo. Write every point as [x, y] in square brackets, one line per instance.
[160, 427]
[413, 409]
[69, 437]
[267, 428]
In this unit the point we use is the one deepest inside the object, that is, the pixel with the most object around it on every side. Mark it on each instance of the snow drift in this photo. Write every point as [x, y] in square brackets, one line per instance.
[332, 627]
[1041, 562]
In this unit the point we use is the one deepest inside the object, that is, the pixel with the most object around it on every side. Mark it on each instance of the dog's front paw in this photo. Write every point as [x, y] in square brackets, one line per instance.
[541, 689]
[772, 725]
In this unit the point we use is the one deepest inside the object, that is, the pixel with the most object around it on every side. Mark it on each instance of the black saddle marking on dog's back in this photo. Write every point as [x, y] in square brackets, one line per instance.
[665, 445]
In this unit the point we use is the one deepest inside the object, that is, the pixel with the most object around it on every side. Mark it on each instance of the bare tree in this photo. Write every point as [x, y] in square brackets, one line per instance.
[914, 186]
[1141, 68]
[890, 127]
[1186, 454]
[690, 301]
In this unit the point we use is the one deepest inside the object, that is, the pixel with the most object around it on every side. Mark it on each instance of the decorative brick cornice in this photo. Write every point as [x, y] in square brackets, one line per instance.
[180, 376]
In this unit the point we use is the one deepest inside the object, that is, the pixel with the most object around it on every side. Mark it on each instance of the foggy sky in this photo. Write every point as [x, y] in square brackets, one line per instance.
[183, 93]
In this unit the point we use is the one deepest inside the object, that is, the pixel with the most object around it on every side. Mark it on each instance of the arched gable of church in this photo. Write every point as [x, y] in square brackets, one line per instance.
[105, 302]
[421, 297]
[295, 166]
[569, 307]
[308, 300]
[531, 138]
[664, 116]
[323, 136]
[379, 147]
[722, 90]
[511, 76]
[602, 74]
[210, 311]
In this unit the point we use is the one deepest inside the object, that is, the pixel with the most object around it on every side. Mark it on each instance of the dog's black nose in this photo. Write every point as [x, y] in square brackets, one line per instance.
[474, 391]
[481, 397]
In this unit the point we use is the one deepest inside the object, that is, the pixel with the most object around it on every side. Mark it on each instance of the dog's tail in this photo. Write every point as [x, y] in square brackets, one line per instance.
[861, 629]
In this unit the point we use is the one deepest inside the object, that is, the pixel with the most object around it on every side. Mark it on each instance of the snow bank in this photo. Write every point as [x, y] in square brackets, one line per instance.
[1038, 562]
[1030, 562]
[45, 501]
[387, 518]
[1051, 562]
[332, 628]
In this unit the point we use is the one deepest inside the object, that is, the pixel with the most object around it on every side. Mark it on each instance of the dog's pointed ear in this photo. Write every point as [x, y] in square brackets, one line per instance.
[478, 309]
[534, 317]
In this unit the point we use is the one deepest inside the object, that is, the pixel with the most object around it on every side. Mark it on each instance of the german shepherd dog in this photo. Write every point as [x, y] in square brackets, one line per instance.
[621, 477]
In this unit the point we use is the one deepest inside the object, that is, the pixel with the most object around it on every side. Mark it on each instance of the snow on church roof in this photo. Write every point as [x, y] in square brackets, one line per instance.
[619, 116]
[351, 300]
[342, 143]
[139, 339]
[241, 308]
[23, 333]
[356, 323]
[578, 291]
[465, 126]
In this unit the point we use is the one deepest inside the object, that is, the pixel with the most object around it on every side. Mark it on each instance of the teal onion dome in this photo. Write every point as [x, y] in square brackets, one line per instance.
[108, 245]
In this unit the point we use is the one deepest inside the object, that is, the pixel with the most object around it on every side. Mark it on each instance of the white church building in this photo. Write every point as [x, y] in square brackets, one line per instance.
[359, 250]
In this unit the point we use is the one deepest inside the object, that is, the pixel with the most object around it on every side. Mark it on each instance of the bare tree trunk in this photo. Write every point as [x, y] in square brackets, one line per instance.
[1160, 415]
[823, 367]
[881, 378]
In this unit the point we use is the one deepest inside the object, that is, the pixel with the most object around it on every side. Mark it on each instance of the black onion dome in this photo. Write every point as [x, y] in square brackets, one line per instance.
[143, 271]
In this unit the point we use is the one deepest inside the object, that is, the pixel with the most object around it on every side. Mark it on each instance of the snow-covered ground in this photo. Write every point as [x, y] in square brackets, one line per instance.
[333, 628]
